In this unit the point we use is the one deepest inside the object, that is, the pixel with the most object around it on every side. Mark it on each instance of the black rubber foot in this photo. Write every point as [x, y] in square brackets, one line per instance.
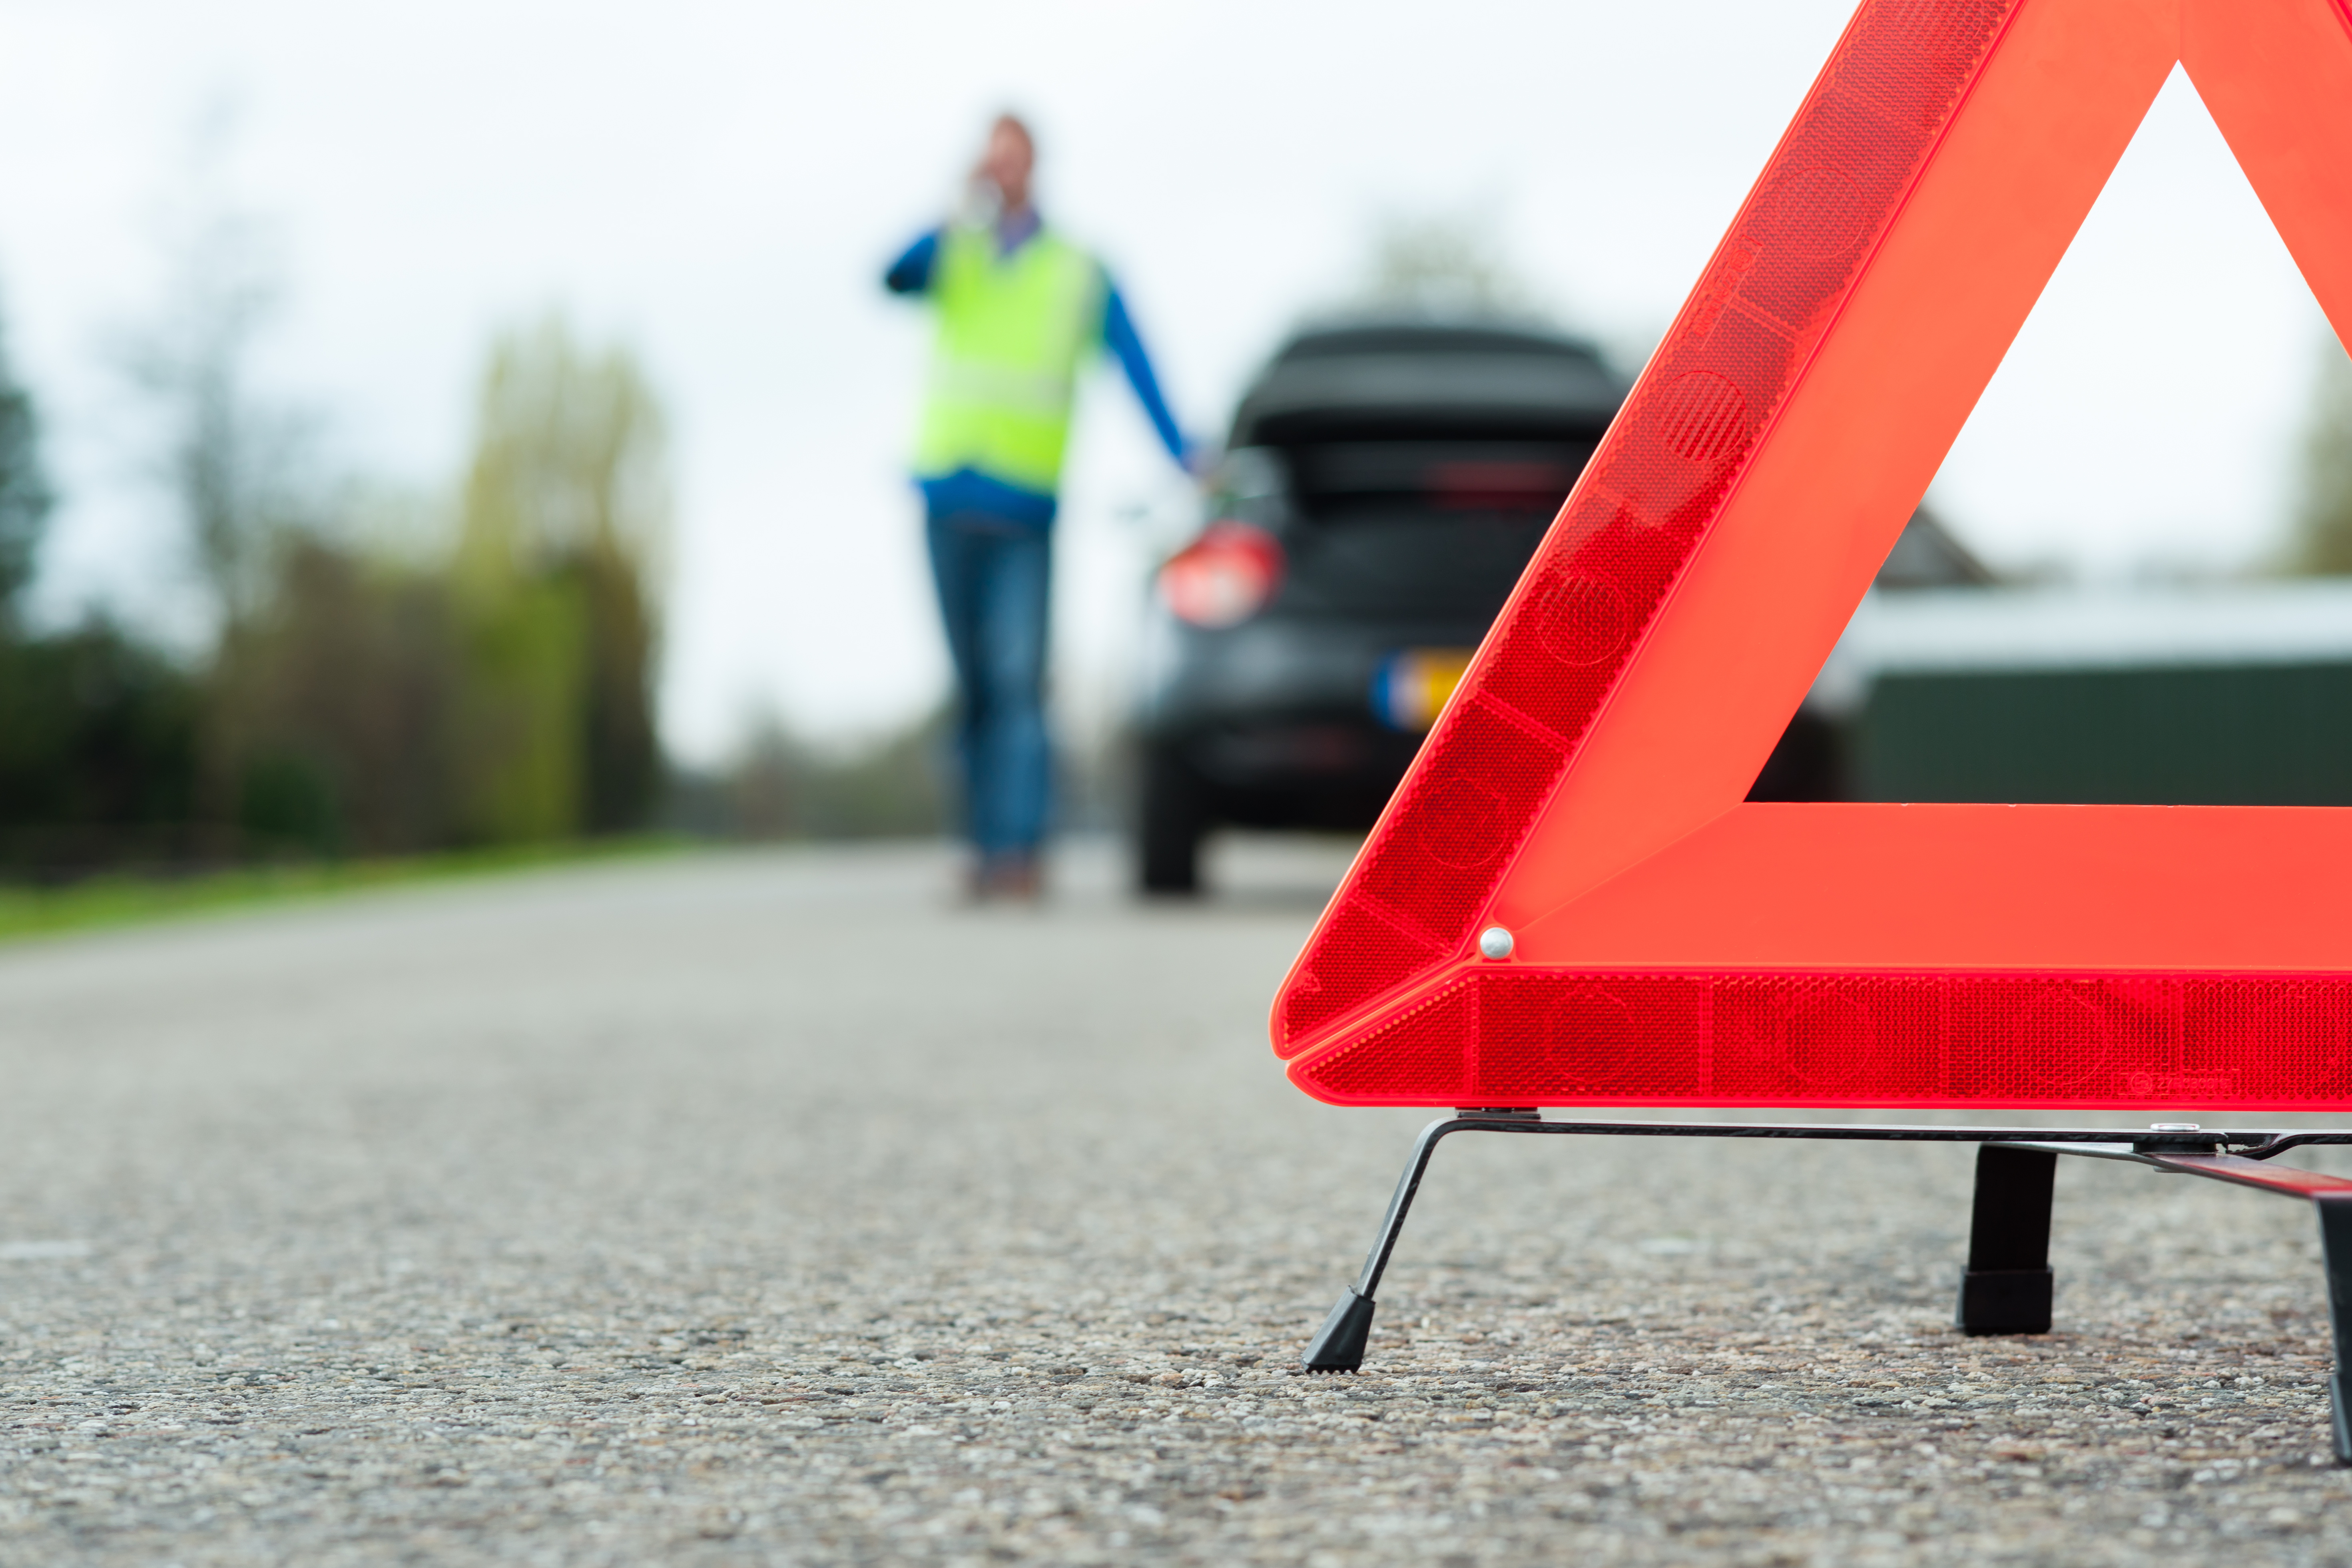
[2339, 1401]
[1340, 1346]
[2003, 1301]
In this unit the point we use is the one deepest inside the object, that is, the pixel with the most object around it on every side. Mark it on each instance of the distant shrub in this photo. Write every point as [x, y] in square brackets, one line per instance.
[98, 745]
[782, 786]
[331, 709]
[359, 701]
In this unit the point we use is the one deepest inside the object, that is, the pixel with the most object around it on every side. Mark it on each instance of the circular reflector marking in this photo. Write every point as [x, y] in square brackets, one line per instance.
[1830, 1042]
[1585, 621]
[1705, 416]
[1464, 821]
[1820, 213]
[2062, 1042]
[1589, 1039]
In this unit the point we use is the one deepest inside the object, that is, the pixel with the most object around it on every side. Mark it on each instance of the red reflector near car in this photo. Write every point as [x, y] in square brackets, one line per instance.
[1223, 577]
[1499, 487]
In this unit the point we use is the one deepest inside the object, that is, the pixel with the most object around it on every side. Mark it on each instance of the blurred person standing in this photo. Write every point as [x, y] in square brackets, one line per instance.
[1020, 309]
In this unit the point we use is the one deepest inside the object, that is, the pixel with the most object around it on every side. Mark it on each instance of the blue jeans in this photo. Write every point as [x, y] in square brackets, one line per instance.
[991, 576]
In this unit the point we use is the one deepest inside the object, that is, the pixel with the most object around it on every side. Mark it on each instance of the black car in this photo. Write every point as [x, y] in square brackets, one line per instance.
[1383, 487]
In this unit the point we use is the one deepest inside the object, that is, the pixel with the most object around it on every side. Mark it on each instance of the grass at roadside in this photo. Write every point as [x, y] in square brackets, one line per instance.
[129, 899]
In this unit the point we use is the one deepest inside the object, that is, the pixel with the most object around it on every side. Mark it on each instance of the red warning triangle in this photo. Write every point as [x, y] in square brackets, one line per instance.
[1670, 944]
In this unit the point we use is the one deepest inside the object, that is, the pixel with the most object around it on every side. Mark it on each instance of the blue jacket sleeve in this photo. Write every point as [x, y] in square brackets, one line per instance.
[1119, 337]
[912, 273]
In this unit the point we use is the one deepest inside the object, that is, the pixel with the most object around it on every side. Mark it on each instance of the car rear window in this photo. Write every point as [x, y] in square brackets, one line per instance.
[1360, 397]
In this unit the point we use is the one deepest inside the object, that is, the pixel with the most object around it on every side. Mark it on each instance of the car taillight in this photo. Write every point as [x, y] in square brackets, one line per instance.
[1223, 577]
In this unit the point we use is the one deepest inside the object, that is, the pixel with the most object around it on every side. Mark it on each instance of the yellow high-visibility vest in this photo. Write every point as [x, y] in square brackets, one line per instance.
[1012, 331]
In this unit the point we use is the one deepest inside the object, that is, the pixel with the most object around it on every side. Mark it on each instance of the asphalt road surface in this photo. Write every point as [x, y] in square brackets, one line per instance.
[768, 1209]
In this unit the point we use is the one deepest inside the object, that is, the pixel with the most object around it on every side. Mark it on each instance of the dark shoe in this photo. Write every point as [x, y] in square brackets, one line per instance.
[1012, 876]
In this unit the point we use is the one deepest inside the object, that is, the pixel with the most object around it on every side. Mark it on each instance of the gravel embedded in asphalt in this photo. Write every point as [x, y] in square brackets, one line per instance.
[766, 1209]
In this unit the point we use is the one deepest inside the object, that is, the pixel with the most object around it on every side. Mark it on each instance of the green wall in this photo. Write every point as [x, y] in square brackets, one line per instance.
[2246, 735]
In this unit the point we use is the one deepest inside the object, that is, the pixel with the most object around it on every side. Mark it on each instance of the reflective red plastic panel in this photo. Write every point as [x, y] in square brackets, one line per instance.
[1702, 569]
[1520, 1038]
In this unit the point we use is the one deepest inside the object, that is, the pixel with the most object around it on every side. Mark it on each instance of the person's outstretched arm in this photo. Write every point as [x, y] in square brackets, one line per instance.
[912, 273]
[1119, 337]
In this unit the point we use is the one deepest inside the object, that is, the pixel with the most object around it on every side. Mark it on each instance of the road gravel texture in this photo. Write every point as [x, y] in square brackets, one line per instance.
[768, 1209]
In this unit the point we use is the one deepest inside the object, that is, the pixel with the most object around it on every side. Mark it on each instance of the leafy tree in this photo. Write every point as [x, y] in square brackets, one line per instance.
[332, 710]
[565, 531]
[2323, 524]
[24, 494]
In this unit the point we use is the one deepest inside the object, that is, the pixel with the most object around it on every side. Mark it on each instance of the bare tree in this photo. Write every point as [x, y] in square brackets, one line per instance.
[231, 459]
[1444, 267]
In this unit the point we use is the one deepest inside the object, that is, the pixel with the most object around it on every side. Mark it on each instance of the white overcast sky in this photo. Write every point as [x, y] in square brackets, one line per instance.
[720, 185]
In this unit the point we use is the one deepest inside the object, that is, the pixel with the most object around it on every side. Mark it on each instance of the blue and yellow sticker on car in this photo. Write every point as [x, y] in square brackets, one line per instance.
[1411, 687]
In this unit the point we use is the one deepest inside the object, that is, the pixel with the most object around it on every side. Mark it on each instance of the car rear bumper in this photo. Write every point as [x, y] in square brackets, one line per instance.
[1275, 718]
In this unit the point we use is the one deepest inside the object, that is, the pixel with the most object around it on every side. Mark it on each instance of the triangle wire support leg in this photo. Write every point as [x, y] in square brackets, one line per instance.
[2331, 1195]
[1340, 1345]
[2008, 1240]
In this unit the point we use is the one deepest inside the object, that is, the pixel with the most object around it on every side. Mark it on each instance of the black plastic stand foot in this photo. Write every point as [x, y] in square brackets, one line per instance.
[2337, 1395]
[1340, 1346]
[2006, 1287]
[2336, 1255]
[2004, 1301]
